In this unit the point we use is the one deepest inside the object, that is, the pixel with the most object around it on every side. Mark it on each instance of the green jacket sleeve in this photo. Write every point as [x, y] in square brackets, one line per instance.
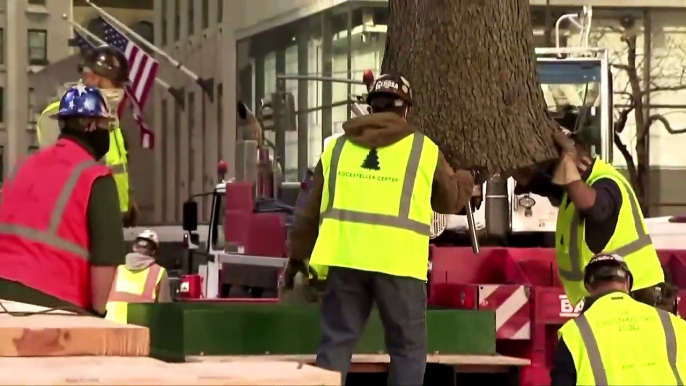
[48, 130]
[105, 226]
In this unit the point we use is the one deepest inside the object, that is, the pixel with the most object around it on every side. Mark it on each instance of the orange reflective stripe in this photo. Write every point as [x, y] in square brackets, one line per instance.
[50, 237]
[148, 295]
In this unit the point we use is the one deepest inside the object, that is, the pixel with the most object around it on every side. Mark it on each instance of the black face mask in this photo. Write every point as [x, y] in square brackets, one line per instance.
[100, 141]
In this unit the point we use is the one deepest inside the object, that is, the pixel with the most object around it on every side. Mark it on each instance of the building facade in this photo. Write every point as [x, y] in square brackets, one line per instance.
[243, 47]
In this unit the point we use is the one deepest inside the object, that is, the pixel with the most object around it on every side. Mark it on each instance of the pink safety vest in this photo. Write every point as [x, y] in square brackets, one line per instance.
[44, 242]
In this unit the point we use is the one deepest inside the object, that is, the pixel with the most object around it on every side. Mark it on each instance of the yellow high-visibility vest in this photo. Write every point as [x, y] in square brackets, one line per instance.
[115, 159]
[619, 341]
[132, 287]
[630, 240]
[376, 207]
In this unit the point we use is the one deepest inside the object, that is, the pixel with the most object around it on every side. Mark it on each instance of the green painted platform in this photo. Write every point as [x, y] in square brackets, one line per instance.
[178, 330]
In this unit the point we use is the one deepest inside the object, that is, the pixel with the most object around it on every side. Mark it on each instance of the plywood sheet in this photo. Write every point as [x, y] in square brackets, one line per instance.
[148, 371]
[261, 372]
[90, 371]
[27, 330]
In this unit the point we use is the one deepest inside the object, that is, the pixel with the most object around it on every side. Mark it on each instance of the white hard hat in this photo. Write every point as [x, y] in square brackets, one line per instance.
[149, 235]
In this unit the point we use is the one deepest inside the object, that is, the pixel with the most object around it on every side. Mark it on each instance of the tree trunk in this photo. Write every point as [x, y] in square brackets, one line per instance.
[472, 68]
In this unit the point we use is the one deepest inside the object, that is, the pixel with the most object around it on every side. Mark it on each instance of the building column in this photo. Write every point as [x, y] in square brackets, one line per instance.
[281, 87]
[327, 71]
[230, 19]
[303, 98]
[16, 94]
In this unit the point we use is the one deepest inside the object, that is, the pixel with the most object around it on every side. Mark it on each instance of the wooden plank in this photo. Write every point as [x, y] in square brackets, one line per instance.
[262, 372]
[148, 371]
[451, 360]
[28, 330]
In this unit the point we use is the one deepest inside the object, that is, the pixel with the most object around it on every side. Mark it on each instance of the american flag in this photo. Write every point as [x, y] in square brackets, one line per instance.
[142, 73]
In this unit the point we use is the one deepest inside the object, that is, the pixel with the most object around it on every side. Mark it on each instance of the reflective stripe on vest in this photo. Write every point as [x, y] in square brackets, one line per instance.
[50, 236]
[576, 270]
[595, 358]
[402, 220]
[147, 296]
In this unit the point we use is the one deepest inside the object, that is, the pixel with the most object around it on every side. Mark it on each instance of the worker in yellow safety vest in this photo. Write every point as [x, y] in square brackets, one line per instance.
[367, 221]
[139, 280]
[618, 340]
[104, 67]
[598, 212]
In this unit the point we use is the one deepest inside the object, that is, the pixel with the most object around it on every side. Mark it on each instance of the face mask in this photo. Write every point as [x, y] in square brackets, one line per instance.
[100, 141]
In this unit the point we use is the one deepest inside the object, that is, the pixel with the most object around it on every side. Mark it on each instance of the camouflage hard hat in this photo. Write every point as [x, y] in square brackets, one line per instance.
[107, 61]
[391, 84]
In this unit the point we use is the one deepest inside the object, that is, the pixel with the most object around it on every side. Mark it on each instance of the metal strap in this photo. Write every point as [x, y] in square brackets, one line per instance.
[148, 294]
[402, 220]
[575, 273]
[595, 358]
[50, 237]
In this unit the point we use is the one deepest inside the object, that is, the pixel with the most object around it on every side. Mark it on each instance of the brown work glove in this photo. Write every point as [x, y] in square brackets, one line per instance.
[566, 171]
[292, 269]
[131, 216]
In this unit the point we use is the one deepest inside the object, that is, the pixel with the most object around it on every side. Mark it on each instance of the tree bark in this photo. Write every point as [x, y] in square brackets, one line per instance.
[472, 68]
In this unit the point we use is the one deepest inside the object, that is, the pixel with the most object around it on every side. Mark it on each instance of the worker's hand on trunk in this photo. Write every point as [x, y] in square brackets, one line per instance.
[565, 145]
[131, 216]
[292, 269]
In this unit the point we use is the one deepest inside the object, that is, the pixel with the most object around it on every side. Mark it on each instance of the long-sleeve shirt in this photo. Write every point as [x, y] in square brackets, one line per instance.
[601, 219]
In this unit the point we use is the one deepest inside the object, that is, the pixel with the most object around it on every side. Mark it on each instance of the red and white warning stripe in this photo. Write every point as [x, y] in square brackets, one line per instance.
[512, 309]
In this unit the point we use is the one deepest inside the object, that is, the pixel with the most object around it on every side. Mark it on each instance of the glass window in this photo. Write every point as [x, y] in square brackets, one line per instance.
[164, 110]
[220, 10]
[205, 13]
[177, 162]
[2, 46]
[2, 163]
[177, 20]
[191, 137]
[38, 46]
[163, 36]
[32, 106]
[2, 104]
[37, 2]
[191, 18]
[220, 119]
[571, 90]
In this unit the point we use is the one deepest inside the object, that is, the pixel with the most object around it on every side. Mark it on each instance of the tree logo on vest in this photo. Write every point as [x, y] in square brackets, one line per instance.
[371, 162]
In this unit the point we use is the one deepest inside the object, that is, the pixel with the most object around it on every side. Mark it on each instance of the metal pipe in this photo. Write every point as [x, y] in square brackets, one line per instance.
[472, 228]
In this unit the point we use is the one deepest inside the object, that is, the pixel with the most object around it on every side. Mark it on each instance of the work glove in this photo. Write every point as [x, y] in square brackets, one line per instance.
[293, 267]
[480, 176]
[131, 216]
[566, 170]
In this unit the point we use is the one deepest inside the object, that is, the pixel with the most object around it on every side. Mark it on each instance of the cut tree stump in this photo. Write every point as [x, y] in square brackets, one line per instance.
[34, 332]
[471, 64]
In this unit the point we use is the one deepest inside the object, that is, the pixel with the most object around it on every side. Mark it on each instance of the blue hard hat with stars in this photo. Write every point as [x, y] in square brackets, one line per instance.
[83, 101]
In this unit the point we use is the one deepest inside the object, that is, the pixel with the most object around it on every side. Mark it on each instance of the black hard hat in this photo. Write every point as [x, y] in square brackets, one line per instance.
[107, 61]
[607, 266]
[390, 84]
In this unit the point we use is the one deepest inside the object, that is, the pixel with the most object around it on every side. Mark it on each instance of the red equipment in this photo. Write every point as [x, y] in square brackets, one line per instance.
[522, 286]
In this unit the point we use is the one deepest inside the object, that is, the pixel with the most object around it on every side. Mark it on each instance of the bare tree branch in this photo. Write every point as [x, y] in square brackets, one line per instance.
[630, 163]
[620, 123]
[665, 122]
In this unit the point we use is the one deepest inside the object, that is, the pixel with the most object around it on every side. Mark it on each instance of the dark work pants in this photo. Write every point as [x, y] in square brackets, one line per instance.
[346, 306]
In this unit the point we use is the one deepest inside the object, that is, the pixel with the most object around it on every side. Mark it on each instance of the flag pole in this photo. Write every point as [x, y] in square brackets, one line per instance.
[206, 84]
[176, 92]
